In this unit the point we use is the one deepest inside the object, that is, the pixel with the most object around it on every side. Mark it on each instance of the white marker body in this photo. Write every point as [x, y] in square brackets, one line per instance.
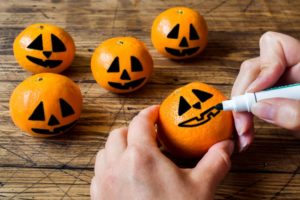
[245, 102]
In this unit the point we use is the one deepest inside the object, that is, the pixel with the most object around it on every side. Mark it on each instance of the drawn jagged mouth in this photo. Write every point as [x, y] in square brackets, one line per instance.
[204, 117]
[180, 53]
[126, 86]
[47, 63]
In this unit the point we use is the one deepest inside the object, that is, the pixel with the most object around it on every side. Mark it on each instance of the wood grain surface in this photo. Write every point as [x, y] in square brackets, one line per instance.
[62, 167]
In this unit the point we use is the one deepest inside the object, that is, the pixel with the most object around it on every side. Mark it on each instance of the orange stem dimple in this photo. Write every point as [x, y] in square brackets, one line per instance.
[120, 42]
[180, 12]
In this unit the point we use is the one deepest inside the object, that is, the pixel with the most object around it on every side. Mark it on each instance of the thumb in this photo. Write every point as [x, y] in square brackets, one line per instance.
[214, 165]
[282, 112]
[141, 130]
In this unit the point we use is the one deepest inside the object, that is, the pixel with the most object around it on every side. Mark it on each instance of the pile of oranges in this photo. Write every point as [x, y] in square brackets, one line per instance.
[47, 104]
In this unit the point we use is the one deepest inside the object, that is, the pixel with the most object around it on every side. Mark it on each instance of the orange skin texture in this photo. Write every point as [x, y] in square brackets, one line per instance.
[30, 34]
[191, 142]
[46, 87]
[124, 48]
[183, 16]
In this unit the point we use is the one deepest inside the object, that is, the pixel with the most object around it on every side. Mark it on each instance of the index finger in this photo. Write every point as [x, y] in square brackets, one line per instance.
[141, 130]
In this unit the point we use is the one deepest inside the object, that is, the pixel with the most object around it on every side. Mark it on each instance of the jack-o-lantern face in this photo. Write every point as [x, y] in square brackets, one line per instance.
[121, 65]
[37, 44]
[189, 122]
[46, 105]
[179, 33]
[44, 48]
[39, 115]
[136, 66]
[204, 115]
[183, 45]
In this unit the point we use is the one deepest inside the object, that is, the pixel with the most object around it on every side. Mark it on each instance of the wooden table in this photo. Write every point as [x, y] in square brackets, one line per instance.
[62, 167]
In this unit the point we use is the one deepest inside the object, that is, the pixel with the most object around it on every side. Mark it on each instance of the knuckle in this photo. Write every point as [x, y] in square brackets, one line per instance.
[116, 133]
[135, 120]
[138, 118]
[266, 37]
[142, 112]
[247, 65]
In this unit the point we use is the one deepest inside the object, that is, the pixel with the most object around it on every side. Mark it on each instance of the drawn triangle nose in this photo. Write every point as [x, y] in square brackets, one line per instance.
[183, 42]
[47, 53]
[197, 105]
[53, 121]
[125, 75]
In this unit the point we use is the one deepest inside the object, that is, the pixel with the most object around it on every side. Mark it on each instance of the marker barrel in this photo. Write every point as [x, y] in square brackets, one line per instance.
[245, 102]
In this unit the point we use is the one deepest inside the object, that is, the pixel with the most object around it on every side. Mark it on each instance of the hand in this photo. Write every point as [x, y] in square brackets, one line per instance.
[131, 166]
[278, 63]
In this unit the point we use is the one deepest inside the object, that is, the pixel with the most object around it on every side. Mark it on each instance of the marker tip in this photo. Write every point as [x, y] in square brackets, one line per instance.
[219, 106]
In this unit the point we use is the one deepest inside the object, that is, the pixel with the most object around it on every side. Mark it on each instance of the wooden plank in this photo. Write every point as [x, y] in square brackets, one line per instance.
[62, 166]
[260, 186]
[39, 183]
[19, 183]
[269, 153]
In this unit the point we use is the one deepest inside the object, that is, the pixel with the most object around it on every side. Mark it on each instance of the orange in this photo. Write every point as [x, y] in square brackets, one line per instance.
[189, 124]
[121, 64]
[179, 33]
[46, 105]
[44, 48]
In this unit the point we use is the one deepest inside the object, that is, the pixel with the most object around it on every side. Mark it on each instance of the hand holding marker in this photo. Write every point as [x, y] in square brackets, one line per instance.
[245, 102]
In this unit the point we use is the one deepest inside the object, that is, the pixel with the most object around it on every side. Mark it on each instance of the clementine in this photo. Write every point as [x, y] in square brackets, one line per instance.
[44, 48]
[179, 33]
[121, 64]
[46, 105]
[189, 123]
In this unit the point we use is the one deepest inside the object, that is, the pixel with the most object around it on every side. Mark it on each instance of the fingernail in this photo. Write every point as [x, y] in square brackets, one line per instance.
[244, 148]
[243, 144]
[252, 87]
[238, 126]
[265, 111]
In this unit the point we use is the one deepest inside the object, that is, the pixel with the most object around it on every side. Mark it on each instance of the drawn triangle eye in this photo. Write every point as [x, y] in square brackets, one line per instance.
[66, 109]
[37, 43]
[184, 106]
[136, 65]
[38, 113]
[57, 44]
[193, 33]
[174, 32]
[201, 95]
[115, 66]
